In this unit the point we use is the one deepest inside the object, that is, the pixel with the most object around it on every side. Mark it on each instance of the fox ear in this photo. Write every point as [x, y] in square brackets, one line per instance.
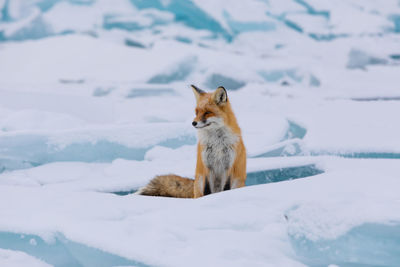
[220, 96]
[197, 92]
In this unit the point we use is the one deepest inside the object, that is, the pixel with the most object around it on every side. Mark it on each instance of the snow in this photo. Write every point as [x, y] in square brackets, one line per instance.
[95, 101]
[326, 213]
[12, 258]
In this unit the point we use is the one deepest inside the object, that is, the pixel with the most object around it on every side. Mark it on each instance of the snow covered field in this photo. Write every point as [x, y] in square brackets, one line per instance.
[95, 101]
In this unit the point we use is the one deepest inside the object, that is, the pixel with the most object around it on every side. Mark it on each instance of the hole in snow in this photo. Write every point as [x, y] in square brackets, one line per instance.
[124, 193]
[282, 174]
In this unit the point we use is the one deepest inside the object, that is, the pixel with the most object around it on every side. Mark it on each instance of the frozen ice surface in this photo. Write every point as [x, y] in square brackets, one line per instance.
[90, 145]
[58, 252]
[282, 174]
[360, 59]
[95, 104]
[380, 247]
[323, 207]
[146, 92]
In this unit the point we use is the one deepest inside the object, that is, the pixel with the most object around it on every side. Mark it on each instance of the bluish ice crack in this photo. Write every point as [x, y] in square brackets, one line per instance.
[360, 60]
[20, 152]
[62, 252]
[134, 43]
[295, 131]
[240, 26]
[187, 13]
[5, 16]
[395, 18]
[146, 92]
[312, 11]
[290, 144]
[282, 174]
[378, 98]
[215, 80]
[177, 73]
[327, 37]
[361, 155]
[290, 24]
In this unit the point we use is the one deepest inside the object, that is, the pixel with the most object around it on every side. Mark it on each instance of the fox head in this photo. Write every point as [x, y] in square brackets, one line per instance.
[212, 110]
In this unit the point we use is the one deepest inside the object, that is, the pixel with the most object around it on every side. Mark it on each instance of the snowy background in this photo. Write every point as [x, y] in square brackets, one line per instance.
[95, 101]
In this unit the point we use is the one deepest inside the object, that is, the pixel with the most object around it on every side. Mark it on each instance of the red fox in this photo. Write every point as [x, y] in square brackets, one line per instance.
[221, 155]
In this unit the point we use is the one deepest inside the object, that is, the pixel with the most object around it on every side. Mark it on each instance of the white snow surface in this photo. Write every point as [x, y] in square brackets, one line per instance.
[95, 104]
[12, 258]
[234, 228]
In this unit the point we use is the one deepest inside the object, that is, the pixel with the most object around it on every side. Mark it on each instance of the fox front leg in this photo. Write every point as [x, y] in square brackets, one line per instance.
[201, 186]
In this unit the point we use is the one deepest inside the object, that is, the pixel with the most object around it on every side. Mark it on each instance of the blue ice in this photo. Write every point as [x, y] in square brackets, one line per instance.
[367, 245]
[25, 151]
[215, 80]
[282, 174]
[62, 252]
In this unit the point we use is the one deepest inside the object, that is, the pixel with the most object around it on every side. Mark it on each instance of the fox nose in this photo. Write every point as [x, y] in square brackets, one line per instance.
[194, 123]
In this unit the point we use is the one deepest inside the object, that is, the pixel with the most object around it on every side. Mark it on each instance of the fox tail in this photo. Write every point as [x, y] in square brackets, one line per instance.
[168, 186]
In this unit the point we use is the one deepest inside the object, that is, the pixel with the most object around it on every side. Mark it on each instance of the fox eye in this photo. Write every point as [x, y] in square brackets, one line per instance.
[207, 113]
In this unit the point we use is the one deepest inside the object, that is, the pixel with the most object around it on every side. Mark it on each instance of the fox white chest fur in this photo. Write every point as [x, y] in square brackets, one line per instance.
[218, 154]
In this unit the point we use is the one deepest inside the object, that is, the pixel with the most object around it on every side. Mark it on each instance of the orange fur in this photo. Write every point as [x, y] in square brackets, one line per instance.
[215, 104]
[206, 102]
